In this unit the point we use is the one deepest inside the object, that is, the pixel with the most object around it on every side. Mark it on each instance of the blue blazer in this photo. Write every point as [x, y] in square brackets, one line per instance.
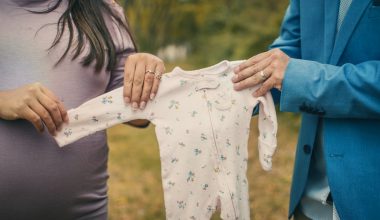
[336, 77]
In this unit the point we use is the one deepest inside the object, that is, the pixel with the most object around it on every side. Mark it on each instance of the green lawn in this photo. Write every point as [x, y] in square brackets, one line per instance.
[135, 184]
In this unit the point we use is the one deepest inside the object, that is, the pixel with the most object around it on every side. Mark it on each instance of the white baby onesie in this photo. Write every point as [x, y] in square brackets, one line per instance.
[202, 127]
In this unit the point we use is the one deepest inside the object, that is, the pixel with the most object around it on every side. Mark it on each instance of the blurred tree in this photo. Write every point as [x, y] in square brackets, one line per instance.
[213, 29]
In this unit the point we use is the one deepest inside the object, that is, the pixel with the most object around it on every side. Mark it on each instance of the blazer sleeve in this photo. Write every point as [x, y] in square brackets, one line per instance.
[348, 91]
[289, 40]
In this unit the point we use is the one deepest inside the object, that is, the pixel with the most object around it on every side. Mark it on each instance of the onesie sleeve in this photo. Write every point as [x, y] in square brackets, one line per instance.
[98, 114]
[267, 142]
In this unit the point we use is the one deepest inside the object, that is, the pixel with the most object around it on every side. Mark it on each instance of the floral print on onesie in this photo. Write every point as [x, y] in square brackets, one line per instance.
[202, 127]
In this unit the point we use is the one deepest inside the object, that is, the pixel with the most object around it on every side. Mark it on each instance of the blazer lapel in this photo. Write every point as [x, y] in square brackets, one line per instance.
[349, 24]
[331, 16]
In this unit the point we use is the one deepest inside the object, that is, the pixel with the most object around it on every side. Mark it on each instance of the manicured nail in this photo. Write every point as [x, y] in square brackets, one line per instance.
[135, 106]
[127, 100]
[152, 95]
[142, 105]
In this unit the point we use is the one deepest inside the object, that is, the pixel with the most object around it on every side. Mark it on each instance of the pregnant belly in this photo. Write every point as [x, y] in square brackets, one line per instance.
[39, 180]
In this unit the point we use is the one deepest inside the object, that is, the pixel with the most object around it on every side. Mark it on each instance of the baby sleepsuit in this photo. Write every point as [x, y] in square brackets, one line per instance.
[202, 127]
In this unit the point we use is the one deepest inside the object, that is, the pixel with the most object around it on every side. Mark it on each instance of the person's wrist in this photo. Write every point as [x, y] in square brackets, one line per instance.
[2, 101]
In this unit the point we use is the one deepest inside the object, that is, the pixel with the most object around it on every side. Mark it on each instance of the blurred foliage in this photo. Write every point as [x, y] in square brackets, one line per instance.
[213, 30]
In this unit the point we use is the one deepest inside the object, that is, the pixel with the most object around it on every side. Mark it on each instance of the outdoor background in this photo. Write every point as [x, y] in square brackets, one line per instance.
[194, 34]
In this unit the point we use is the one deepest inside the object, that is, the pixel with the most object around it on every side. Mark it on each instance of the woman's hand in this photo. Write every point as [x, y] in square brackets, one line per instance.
[36, 104]
[143, 72]
[267, 68]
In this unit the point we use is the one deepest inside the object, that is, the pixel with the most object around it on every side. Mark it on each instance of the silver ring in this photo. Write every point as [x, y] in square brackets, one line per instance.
[263, 75]
[150, 72]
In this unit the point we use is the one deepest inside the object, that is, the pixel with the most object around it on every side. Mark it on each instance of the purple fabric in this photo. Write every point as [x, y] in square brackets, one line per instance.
[39, 180]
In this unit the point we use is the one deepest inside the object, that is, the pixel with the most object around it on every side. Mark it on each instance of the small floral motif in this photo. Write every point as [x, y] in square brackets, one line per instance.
[107, 100]
[94, 119]
[174, 160]
[182, 144]
[222, 157]
[118, 116]
[209, 104]
[182, 82]
[171, 183]
[238, 150]
[76, 117]
[205, 186]
[193, 113]
[228, 144]
[193, 217]
[232, 195]
[210, 209]
[181, 204]
[174, 104]
[168, 130]
[203, 137]
[246, 108]
[190, 176]
[67, 132]
[197, 151]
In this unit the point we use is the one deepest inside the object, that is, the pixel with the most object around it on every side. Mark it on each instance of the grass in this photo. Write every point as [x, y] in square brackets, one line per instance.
[135, 190]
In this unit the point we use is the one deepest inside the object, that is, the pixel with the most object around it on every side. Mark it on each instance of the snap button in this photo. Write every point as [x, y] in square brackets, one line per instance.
[306, 149]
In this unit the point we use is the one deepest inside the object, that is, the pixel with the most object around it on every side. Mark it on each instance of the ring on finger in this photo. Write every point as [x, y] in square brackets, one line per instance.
[263, 75]
[158, 75]
[150, 72]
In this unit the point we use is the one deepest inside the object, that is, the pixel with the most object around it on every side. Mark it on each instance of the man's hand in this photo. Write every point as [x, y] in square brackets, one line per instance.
[143, 72]
[36, 104]
[267, 68]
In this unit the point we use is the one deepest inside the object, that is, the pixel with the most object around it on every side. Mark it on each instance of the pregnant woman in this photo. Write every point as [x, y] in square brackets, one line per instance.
[55, 55]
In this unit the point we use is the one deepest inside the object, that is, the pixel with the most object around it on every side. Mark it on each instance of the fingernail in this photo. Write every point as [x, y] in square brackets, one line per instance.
[152, 95]
[236, 86]
[127, 100]
[234, 78]
[236, 69]
[142, 105]
[135, 106]
[67, 119]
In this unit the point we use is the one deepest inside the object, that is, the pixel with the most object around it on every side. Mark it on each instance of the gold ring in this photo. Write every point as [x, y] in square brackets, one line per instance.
[150, 72]
[263, 75]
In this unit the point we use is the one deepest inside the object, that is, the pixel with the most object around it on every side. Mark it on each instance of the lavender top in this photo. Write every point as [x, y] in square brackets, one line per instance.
[39, 180]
